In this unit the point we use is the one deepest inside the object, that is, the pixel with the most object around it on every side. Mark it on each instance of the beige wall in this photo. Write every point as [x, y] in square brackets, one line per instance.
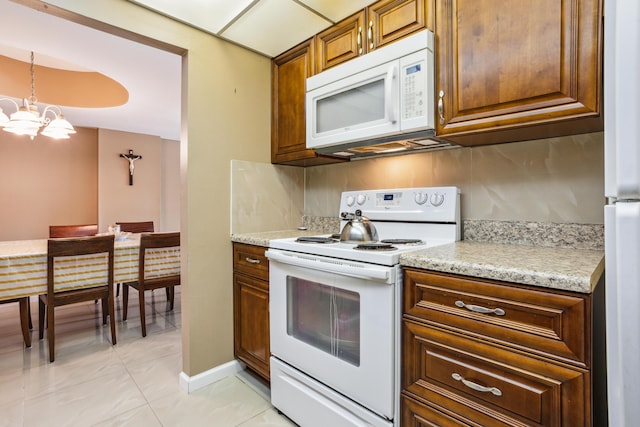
[83, 180]
[170, 203]
[47, 182]
[550, 180]
[226, 115]
[117, 200]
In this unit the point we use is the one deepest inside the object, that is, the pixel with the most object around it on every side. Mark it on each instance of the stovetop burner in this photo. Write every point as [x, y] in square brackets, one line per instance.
[402, 241]
[314, 239]
[375, 247]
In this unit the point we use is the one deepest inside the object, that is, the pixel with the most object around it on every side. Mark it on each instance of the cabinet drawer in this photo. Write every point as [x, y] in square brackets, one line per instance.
[415, 414]
[549, 323]
[487, 385]
[249, 259]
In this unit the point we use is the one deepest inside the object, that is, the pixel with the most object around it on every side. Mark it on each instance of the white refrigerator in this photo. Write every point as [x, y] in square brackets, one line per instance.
[622, 212]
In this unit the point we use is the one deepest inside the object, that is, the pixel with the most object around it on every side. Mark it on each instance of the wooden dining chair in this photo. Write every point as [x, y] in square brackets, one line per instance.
[58, 231]
[25, 318]
[78, 269]
[137, 227]
[64, 231]
[159, 267]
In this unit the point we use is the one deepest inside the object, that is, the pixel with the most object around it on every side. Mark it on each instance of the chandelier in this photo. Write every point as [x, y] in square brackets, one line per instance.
[27, 120]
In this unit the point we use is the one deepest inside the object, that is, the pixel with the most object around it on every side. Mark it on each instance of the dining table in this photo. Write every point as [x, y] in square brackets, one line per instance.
[23, 268]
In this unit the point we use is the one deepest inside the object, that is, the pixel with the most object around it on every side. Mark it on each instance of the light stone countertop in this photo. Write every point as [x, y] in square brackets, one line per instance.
[576, 270]
[263, 238]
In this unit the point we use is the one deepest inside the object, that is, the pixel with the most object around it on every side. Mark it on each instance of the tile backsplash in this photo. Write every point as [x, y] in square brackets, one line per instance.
[555, 180]
[265, 197]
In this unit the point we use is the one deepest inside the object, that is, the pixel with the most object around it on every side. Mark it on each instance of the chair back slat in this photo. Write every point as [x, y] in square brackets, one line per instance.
[137, 227]
[83, 230]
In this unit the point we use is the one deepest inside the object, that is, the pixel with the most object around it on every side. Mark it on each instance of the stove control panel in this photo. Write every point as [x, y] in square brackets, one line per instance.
[426, 204]
[388, 199]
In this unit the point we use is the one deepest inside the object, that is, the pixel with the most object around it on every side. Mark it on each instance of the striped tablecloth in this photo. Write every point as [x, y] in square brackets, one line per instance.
[23, 265]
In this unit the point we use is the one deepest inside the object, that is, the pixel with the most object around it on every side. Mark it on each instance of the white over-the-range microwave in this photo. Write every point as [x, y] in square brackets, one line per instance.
[378, 104]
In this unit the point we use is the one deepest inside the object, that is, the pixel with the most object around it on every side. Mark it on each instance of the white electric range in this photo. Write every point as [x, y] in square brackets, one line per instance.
[335, 308]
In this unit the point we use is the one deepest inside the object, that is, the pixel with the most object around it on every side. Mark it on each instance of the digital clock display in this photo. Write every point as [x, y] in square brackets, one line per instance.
[414, 69]
[388, 197]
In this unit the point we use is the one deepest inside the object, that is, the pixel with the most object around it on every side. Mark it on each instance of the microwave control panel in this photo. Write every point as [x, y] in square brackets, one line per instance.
[416, 90]
[413, 91]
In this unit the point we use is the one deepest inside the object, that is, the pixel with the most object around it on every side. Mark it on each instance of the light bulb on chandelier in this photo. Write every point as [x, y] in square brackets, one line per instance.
[27, 120]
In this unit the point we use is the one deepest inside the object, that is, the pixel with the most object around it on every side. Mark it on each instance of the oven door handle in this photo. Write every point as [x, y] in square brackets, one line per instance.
[345, 268]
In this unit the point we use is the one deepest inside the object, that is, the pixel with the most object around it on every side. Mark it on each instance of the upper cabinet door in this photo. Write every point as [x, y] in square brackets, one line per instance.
[505, 64]
[390, 20]
[341, 42]
[381, 23]
[289, 72]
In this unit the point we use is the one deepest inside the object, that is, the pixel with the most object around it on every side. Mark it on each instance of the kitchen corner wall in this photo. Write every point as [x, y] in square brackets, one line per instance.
[265, 197]
[551, 180]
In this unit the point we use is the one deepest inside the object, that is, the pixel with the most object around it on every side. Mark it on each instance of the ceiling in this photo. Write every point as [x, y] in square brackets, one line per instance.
[268, 27]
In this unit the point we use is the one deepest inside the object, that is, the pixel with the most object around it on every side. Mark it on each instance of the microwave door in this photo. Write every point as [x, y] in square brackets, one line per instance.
[358, 107]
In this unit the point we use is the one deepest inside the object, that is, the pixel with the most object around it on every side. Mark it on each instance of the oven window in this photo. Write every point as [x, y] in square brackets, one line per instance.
[325, 317]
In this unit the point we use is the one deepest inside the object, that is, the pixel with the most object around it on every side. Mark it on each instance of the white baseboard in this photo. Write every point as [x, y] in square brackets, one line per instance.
[203, 379]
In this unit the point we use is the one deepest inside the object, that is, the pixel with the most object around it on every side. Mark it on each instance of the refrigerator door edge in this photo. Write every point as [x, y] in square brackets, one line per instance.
[622, 269]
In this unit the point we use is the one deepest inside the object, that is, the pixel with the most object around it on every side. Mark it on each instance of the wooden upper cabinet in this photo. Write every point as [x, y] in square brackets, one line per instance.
[341, 42]
[390, 20]
[502, 65]
[379, 24]
[289, 72]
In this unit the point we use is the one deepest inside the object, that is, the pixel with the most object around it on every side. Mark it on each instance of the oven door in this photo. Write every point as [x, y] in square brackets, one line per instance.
[334, 321]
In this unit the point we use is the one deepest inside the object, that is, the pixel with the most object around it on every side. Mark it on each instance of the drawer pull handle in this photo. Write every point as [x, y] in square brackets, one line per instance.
[480, 309]
[359, 40]
[477, 387]
[252, 260]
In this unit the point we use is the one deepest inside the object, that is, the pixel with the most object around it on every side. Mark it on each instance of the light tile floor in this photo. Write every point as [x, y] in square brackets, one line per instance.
[134, 383]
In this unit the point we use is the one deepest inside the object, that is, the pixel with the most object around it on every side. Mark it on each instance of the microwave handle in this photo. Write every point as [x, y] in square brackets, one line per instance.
[390, 92]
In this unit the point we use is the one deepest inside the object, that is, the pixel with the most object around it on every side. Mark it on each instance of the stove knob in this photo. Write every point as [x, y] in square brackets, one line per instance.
[350, 200]
[361, 199]
[437, 199]
[421, 198]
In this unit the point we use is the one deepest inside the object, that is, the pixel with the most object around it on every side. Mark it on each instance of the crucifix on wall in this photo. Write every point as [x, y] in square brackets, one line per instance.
[132, 158]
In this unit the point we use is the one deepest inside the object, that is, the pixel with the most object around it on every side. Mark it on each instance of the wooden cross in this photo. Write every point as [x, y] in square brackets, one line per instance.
[132, 158]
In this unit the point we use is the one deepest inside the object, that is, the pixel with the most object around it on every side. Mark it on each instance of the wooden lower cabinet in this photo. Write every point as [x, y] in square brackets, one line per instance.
[251, 308]
[417, 414]
[463, 366]
[490, 386]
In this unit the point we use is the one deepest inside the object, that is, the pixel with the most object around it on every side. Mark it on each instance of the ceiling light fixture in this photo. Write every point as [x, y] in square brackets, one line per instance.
[27, 119]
